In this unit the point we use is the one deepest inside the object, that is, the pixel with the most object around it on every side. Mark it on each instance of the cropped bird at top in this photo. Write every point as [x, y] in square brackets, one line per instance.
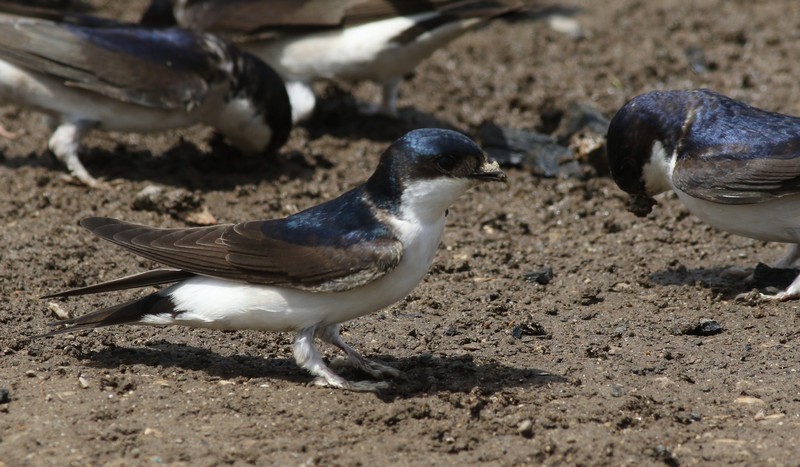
[91, 73]
[307, 272]
[734, 166]
[348, 40]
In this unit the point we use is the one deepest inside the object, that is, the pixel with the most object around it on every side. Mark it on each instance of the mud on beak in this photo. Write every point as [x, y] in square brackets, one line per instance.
[641, 204]
[490, 172]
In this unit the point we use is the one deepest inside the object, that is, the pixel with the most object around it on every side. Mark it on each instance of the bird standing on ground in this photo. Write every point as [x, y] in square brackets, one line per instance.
[734, 166]
[307, 272]
[89, 73]
[348, 40]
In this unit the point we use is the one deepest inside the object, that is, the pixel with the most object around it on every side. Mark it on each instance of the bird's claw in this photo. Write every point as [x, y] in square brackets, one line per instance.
[356, 386]
[754, 296]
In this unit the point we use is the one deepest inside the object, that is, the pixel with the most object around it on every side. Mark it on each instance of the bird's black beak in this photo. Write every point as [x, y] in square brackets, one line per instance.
[490, 172]
[641, 204]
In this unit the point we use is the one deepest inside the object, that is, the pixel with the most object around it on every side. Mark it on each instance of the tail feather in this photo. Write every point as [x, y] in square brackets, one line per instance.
[125, 313]
[144, 279]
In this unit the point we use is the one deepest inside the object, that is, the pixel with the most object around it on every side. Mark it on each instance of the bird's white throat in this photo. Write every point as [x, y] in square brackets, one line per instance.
[427, 200]
[657, 173]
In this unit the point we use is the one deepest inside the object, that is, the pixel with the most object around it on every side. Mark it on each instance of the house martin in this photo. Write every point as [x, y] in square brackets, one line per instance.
[308, 272]
[92, 73]
[348, 40]
[734, 166]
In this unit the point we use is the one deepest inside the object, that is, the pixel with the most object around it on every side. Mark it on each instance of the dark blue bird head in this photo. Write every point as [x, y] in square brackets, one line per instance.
[430, 154]
[692, 125]
[657, 116]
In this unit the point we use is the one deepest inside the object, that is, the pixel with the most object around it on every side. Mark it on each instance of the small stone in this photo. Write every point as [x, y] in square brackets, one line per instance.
[696, 57]
[84, 383]
[5, 396]
[566, 25]
[30, 374]
[707, 327]
[747, 400]
[541, 276]
[525, 428]
[178, 203]
[56, 309]
[589, 295]
[528, 327]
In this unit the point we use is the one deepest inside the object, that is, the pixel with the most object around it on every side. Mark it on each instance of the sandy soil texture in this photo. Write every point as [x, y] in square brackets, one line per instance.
[608, 363]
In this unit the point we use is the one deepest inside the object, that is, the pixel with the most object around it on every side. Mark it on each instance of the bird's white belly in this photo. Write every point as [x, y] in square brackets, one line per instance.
[776, 220]
[221, 304]
[356, 53]
[30, 89]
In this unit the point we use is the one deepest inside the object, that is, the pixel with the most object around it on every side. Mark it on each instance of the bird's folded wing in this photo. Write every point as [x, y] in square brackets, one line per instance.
[729, 180]
[254, 16]
[155, 68]
[244, 252]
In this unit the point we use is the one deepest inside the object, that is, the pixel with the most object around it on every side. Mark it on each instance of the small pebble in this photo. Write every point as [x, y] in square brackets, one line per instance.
[541, 276]
[5, 396]
[30, 374]
[525, 428]
[83, 382]
[707, 327]
[566, 25]
[56, 309]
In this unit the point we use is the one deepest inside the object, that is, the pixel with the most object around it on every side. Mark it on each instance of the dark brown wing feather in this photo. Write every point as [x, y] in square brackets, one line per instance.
[163, 69]
[251, 16]
[737, 181]
[144, 279]
[243, 252]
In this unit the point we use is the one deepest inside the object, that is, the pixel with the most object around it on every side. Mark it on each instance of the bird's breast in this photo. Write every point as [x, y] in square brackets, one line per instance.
[775, 220]
[368, 51]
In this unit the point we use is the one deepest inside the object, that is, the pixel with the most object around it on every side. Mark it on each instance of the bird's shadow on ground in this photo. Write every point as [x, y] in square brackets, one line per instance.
[720, 280]
[423, 374]
[338, 113]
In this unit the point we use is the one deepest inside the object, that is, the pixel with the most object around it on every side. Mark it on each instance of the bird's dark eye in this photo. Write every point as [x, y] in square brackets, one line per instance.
[445, 163]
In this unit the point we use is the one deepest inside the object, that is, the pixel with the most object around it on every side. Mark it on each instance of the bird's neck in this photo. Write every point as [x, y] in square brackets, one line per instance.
[427, 200]
[657, 172]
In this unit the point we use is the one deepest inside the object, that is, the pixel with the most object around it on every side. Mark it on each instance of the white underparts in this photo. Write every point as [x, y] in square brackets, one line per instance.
[657, 173]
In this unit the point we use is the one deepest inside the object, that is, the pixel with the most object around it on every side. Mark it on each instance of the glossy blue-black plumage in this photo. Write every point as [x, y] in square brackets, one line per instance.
[348, 221]
[726, 151]
[179, 48]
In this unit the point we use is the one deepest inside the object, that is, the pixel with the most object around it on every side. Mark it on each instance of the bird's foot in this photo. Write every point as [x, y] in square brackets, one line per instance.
[754, 296]
[356, 386]
[374, 369]
[87, 181]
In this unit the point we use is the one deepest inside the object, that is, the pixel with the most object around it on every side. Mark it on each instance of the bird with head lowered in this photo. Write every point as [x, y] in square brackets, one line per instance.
[98, 74]
[732, 165]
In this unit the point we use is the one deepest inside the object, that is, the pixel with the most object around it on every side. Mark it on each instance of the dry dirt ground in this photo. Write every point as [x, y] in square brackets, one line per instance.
[602, 365]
